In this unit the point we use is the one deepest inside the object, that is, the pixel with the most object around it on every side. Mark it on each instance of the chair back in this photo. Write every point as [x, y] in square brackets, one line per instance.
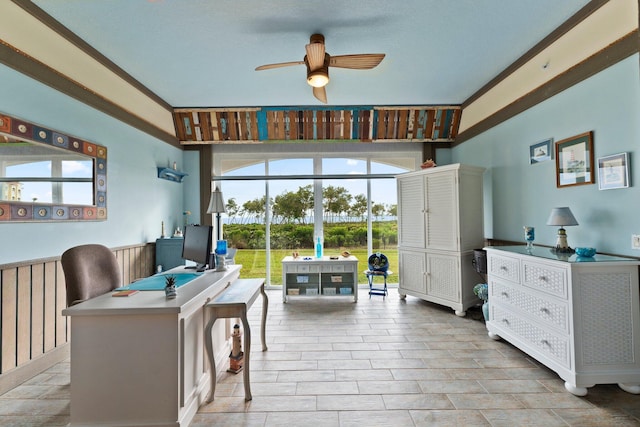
[89, 271]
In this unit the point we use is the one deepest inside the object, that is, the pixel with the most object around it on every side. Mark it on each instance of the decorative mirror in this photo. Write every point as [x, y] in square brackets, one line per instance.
[46, 175]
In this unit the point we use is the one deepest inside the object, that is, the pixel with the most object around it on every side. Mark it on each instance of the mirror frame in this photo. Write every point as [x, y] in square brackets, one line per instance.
[19, 211]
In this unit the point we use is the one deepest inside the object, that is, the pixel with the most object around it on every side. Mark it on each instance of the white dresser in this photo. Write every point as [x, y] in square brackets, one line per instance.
[578, 316]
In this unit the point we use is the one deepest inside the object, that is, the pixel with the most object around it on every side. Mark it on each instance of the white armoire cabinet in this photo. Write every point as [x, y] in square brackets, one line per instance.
[440, 223]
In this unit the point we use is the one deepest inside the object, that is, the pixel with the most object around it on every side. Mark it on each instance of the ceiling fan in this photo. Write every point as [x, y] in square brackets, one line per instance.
[318, 62]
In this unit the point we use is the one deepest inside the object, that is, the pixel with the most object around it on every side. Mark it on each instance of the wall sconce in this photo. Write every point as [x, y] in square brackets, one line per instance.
[562, 217]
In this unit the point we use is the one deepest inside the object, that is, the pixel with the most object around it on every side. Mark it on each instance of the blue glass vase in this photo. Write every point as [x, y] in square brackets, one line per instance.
[529, 236]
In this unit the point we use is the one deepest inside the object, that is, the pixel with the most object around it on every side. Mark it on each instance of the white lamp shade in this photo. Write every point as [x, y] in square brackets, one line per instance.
[561, 217]
[216, 204]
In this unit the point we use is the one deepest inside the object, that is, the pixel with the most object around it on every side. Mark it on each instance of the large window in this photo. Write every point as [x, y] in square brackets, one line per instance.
[278, 203]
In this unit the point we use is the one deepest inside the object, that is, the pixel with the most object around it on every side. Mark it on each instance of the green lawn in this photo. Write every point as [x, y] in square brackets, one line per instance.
[254, 262]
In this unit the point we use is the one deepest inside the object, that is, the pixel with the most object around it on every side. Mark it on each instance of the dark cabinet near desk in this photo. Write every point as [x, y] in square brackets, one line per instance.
[169, 253]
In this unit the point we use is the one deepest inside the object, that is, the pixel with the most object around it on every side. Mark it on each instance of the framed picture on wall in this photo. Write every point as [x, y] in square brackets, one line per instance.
[541, 152]
[613, 172]
[574, 161]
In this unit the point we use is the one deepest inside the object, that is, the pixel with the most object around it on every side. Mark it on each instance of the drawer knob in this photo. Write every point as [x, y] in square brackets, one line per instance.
[543, 278]
[505, 321]
[544, 310]
[545, 342]
[504, 294]
[503, 268]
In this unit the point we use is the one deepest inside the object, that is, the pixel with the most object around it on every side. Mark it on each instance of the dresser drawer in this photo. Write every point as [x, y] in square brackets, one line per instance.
[504, 267]
[333, 268]
[296, 268]
[549, 311]
[301, 268]
[552, 345]
[542, 277]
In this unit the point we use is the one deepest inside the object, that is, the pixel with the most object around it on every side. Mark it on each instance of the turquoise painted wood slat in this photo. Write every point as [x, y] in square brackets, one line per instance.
[263, 133]
[354, 124]
[447, 124]
[436, 125]
[187, 126]
[376, 114]
[419, 128]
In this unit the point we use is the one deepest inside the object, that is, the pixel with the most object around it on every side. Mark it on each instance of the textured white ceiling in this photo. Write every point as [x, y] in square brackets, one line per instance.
[202, 53]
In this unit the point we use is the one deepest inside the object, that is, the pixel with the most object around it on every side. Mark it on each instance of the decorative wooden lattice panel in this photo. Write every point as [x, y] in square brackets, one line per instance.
[363, 123]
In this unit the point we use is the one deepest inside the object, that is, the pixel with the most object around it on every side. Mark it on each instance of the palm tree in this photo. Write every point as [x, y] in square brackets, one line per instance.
[359, 207]
[232, 209]
[336, 201]
[255, 208]
[377, 209]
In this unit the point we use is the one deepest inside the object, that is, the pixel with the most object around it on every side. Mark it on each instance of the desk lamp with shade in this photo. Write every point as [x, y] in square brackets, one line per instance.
[216, 205]
[562, 217]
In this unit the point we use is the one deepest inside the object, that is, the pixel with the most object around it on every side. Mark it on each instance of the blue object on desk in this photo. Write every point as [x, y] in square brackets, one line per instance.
[221, 247]
[585, 252]
[157, 282]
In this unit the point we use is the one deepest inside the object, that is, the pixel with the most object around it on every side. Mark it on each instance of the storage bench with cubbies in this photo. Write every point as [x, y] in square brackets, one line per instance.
[306, 276]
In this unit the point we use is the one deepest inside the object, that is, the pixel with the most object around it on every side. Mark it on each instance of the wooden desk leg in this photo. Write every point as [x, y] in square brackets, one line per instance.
[208, 341]
[265, 306]
[247, 355]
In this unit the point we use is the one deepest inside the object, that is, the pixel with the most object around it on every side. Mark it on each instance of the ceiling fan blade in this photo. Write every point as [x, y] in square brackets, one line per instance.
[279, 65]
[315, 55]
[363, 61]
[320, 93]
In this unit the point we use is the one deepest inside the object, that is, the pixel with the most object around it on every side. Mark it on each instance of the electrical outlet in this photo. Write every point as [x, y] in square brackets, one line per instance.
[635, 241]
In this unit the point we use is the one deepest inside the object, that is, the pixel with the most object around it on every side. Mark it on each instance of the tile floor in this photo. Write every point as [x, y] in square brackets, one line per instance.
[380, 362]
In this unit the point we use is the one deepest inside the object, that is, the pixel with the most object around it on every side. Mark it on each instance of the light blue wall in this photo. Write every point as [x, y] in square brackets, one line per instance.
[192, 188]
[522, 194]
[137, 200]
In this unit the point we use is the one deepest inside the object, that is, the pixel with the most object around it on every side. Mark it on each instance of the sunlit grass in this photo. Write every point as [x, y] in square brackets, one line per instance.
[254, 262]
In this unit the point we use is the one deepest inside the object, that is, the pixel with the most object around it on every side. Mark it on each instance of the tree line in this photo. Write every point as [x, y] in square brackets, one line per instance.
[297, 207]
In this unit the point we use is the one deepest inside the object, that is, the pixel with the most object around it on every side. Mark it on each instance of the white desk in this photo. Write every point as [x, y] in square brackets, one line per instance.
[140, 360]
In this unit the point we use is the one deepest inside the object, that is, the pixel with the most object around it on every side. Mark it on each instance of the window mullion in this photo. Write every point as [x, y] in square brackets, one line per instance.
[318, 210]
[56, 187]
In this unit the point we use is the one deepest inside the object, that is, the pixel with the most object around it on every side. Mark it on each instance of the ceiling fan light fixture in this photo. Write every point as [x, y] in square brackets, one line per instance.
[318, 78]
[318, 61]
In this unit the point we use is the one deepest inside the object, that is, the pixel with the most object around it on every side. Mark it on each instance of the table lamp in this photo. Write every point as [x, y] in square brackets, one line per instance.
[562, 217]
[216, 205]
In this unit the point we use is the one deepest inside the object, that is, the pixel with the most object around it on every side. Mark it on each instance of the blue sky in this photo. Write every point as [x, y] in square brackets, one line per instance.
[74, 193]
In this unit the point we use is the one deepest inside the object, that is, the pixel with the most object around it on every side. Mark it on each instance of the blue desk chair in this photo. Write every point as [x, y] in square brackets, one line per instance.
[378, 267]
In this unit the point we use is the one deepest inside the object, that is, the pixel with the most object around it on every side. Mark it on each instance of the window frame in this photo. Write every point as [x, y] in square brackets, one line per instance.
[408, 153]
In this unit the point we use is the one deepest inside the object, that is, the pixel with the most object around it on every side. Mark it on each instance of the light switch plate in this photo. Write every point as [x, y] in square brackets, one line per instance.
[635, 241]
